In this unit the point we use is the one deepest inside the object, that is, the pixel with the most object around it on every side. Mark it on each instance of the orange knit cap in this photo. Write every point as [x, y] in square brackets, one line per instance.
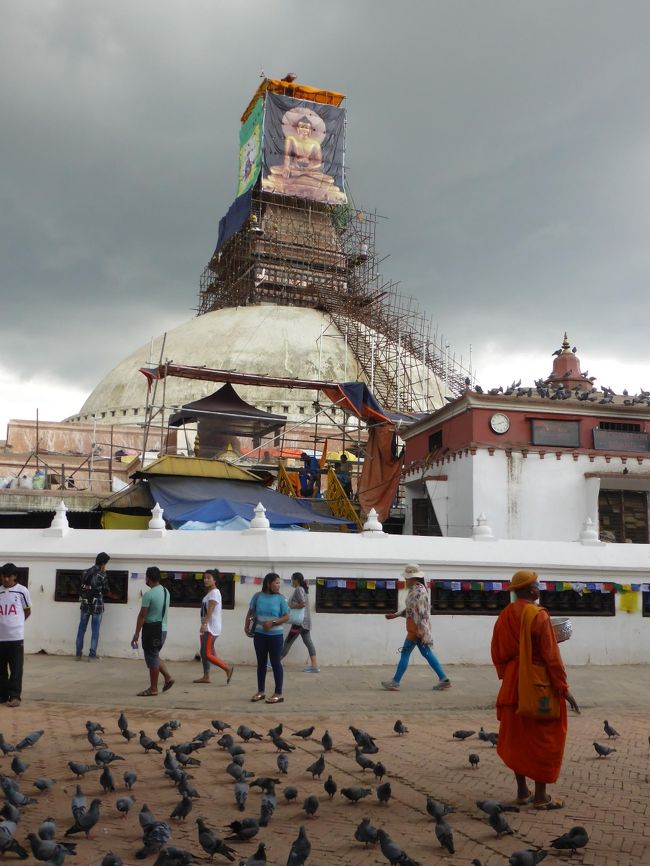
[522, 578]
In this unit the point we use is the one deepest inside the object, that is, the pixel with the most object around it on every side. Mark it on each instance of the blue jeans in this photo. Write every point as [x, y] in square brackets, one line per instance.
[269, 646]
[94, 632]
[425, 651]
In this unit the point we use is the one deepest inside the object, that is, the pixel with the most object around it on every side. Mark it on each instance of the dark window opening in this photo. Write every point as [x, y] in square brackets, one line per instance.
[435, 441]
[645, 603]
[355, 597]
[425, 521]
[186, 588]
[565, 602]
[619, 425]
[623, 516]
[67, 584]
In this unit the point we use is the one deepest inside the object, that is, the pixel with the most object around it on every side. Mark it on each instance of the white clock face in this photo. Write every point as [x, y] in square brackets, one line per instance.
[500, 423]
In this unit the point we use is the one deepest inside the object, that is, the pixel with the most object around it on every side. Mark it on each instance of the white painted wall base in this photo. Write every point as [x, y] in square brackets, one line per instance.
[340, 639]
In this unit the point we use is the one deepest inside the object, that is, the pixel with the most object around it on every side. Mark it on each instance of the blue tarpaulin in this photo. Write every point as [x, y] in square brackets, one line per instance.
[208, 500]
[234, 219]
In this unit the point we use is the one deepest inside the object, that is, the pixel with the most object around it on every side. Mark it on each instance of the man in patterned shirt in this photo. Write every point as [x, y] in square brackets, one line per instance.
[94, 584]
[15, 607]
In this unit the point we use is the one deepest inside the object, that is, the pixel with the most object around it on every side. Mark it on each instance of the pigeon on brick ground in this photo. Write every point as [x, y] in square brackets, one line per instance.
[462, 735]
[603, 751]
[304, 733]
[366, 833]
[30, 740]
[317, 767]
[310, 805]
[300, 849]
[526, 858]
[576, 837]
[211, 843]
[256, 859]
[355, 794]
[395, 855]
[85, 821]
[444, 835]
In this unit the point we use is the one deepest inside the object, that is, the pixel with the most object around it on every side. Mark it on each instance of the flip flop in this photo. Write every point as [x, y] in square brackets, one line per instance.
[258, 696]
[199, 681]
[524, 801]
[168, 685]
[549, 806]
[147, 693]
[275, 699]
[230, 673]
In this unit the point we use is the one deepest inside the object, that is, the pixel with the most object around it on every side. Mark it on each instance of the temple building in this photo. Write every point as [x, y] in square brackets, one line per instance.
[552, 461]
[292, 295]
[292, 289]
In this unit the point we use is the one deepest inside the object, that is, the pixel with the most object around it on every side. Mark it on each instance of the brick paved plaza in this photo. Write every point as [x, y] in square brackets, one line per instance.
[607, 796]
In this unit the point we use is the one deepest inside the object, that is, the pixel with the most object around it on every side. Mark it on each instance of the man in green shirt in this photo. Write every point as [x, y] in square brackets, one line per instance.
[152, 622]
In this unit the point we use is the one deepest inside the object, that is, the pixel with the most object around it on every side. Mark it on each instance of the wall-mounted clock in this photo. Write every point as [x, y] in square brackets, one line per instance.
[500, 423]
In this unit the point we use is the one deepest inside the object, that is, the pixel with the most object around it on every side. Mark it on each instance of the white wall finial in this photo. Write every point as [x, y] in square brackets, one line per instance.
[372, 527]
[59, 526]
[156, 521]
[589, 533]
[260, 521]
[482, 531]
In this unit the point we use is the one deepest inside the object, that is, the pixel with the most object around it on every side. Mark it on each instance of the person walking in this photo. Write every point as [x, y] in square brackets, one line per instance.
[94, 585]
[418, 630]
[211, 607]
[152, 622]
[15, 608]
[268, 610]
[299, 601]
[522, 641]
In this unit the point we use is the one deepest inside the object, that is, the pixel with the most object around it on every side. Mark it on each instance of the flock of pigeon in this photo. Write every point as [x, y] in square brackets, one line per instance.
[176, 768]
[564, 391]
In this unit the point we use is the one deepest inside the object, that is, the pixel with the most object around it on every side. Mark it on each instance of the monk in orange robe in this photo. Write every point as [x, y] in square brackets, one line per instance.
[532, 748]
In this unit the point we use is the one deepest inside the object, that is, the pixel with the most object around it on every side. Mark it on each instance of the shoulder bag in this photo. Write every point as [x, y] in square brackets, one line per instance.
[251, 617]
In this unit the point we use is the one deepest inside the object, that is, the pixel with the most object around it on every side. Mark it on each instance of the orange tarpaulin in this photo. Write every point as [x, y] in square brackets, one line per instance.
[381, 472]
[295, 90]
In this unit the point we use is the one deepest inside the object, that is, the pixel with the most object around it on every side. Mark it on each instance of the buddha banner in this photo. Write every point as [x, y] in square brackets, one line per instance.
[303, 149]
[250, 148]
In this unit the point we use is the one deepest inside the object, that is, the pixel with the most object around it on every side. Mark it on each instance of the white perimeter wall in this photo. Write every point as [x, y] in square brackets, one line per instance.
[340, 638]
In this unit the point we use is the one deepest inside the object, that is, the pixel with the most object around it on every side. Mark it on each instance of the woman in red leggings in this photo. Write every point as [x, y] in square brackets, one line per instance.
[211, 627]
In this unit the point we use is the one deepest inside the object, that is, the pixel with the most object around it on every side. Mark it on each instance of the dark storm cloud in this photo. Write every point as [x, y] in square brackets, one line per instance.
[507, 143]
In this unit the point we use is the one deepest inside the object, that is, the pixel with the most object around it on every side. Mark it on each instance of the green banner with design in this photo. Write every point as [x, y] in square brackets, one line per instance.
[250, 148]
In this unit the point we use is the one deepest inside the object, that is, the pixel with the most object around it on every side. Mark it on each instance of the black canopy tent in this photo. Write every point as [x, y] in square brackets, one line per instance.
[226, 413]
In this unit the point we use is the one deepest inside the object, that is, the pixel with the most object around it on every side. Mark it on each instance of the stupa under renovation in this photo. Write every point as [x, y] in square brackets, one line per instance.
[292, 289]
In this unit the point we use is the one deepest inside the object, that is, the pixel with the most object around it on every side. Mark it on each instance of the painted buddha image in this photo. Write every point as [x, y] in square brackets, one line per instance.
[300, 172]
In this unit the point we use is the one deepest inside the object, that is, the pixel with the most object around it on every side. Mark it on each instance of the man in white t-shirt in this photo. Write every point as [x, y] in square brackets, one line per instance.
[15, 607]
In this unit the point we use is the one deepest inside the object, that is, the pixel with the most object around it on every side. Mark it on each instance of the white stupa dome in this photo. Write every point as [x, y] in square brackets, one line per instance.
[270, 339]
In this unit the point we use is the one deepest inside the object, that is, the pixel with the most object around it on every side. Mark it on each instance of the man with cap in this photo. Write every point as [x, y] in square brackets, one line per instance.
[531, 747]
[94, 585]
[418, 630]
[15, 608]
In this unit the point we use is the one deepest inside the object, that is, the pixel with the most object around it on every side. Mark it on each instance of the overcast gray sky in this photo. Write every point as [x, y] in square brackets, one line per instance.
[508, 143]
